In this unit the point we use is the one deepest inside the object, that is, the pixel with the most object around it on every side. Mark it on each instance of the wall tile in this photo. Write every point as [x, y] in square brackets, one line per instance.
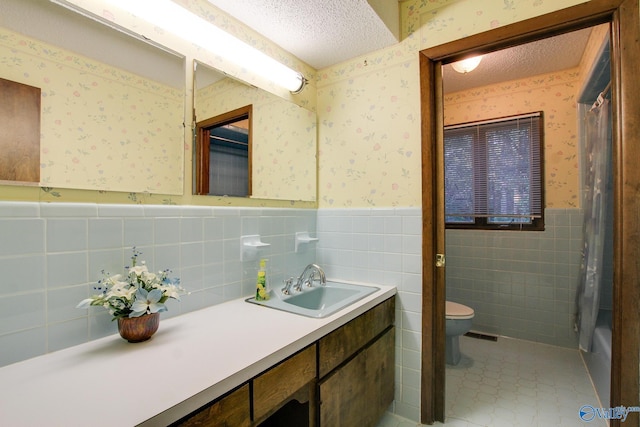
[82, 244]
[191, 254]
[64, 269]
[166, 230]
[111, 261]
[66, 334]
[19, 210]
[516, 294]
[138, 232]
[22, 236]
[66, 235]
[22, 274]
[213, 228]
[75, 210]
[191, 229]
[232, 226]
[121, 210]
[105, 233]
[61, 304]
[22, 345]
[22, 311]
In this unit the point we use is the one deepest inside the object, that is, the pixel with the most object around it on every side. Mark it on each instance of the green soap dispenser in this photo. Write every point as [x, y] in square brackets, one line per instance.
[261, 282]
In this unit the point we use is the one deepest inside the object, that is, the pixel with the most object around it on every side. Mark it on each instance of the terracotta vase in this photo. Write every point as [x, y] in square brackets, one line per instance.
[138, 329]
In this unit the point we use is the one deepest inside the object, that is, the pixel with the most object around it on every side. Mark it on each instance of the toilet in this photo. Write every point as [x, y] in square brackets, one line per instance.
[458, 322]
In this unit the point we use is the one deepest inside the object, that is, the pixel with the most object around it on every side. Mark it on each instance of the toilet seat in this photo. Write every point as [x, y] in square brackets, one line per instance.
[453, 310]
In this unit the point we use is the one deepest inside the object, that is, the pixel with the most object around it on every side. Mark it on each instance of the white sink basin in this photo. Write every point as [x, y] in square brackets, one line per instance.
[318, 301]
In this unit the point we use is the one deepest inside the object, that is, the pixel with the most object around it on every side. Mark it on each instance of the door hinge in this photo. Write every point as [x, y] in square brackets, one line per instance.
[440, 260]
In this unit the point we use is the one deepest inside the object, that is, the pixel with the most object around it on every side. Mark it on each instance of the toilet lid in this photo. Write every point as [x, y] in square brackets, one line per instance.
[458, 311]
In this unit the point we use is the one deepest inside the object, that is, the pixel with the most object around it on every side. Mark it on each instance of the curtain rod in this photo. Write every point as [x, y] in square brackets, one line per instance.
[600, 98]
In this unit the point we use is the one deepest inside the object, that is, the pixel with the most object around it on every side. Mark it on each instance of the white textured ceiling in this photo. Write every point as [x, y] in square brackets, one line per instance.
[544, 56]
[319, 32]
[326, 32]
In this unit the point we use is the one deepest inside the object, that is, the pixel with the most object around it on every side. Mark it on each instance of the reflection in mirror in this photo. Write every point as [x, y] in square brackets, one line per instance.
[20, 136]
[282, 138]
[223, 148]
[112, 107]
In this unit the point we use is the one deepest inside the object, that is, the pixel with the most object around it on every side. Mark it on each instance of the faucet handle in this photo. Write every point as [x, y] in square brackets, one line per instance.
[312, 277]
[287, 285]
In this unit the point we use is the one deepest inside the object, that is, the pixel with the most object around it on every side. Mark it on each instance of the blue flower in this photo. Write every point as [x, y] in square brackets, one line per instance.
[147, 302]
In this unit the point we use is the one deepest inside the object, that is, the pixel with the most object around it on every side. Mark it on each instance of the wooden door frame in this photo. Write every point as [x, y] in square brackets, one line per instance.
[625, 36]
[202, 147]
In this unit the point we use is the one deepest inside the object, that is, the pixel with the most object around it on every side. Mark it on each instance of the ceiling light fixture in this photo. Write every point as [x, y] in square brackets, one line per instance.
[467, 65]
[188, 26]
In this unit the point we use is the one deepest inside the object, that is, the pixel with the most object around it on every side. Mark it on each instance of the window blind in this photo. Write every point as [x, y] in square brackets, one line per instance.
[493, 170]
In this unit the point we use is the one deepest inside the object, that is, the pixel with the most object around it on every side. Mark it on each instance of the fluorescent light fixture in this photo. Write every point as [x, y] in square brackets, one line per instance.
[467, 65]
[188, 26]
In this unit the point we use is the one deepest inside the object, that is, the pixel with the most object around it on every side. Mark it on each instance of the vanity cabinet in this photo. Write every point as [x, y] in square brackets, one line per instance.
[356, 369]
[346, 378]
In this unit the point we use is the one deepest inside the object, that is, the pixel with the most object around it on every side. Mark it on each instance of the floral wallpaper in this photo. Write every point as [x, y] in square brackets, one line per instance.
[556, 96]
[101, 127]
[283, 138]
[369, 134]
[369, 107]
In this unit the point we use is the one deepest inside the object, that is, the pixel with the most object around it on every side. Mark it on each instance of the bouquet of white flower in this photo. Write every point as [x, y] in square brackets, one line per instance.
[136, 293]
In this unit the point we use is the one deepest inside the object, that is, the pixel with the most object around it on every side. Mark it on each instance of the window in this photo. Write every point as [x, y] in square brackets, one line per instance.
[493, 174]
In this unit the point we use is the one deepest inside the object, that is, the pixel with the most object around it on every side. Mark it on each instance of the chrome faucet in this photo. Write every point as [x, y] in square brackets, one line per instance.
[311, 272]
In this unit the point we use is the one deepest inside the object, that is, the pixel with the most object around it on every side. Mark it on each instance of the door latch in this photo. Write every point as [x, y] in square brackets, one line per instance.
[440, 260]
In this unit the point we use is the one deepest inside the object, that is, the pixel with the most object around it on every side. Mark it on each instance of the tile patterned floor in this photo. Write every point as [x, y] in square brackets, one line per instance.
[514, 383]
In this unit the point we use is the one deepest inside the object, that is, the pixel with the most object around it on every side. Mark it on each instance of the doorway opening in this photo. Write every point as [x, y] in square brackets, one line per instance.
[521, 271]
[625, 28]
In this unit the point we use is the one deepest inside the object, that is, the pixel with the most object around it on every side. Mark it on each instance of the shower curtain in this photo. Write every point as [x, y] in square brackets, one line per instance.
[597, 196]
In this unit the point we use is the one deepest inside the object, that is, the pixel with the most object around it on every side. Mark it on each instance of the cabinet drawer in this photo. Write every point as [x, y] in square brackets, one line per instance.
[339, 345]
[229, 411]
[279, 383]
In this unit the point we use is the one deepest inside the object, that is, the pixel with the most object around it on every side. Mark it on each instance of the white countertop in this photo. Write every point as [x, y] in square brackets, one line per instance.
[191, 360]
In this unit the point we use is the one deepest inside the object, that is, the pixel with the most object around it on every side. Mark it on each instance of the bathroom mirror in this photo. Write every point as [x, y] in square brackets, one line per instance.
[280, 162]
[112, 110]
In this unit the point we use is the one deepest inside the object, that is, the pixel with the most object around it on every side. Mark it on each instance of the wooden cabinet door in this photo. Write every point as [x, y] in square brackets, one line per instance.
[342, 395]
[358, 393]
